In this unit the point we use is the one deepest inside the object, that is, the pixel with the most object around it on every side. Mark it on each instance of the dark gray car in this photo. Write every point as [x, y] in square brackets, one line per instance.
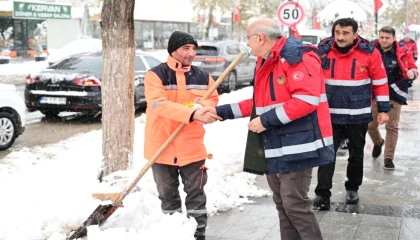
[215, 57]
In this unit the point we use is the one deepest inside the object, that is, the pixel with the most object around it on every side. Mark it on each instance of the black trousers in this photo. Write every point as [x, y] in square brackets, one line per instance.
[356, 135]
[194, 177]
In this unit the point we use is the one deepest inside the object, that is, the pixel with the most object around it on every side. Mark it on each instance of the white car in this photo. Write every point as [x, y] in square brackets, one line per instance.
[73, 47]
[313, 36]
[12, 115]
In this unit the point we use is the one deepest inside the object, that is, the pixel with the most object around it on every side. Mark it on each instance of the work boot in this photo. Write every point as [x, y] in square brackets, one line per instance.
[388, 164]
[377, 149]
[321, 203]
[352, 197]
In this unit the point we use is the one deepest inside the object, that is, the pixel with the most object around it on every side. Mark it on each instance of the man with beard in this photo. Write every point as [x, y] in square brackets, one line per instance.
[352, 69]
[173, 91]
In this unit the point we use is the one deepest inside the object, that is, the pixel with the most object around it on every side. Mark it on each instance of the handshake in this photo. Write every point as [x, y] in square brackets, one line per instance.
[206, 115]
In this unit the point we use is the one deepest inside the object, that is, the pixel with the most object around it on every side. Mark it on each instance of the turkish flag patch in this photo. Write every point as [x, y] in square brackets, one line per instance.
[297, 76]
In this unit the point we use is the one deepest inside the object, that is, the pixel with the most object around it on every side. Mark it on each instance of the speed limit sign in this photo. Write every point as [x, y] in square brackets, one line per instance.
[290, 13]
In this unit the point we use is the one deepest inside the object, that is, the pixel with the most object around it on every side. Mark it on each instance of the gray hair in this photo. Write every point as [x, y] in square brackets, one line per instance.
[270, 30]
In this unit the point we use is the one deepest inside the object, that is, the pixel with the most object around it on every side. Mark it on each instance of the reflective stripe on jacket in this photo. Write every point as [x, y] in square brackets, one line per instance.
[349, 80]
[170, 89]
[289, 94]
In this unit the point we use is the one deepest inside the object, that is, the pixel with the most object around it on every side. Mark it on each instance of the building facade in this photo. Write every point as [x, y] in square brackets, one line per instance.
[25, 19]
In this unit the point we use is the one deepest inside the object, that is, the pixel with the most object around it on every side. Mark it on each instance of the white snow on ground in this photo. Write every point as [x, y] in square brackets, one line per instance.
[47, 191]
[22, 68]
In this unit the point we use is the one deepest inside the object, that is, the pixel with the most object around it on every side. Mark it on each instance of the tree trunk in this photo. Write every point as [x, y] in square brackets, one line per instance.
[117, 84]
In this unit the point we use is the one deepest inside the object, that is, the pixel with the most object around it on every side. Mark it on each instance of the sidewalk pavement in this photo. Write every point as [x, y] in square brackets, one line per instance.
[389, 206]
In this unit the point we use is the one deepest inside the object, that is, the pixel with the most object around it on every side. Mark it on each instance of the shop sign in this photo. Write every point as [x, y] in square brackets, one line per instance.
[28, 10]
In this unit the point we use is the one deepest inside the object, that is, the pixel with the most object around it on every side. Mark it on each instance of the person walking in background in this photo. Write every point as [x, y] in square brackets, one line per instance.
[411, 45]
[352, 68]
[293, 120]
[171, 89]
[401, 71]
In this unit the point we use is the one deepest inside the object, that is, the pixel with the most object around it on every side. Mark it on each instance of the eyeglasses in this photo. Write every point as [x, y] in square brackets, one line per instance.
[248, 37]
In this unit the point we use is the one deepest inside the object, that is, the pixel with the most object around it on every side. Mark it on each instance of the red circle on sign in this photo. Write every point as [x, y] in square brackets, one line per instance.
[290, 4]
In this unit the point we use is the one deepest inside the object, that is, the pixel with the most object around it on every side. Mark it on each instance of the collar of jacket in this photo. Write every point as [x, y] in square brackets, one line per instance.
[327, 44]
[177, 65]
[291, 49]
[277, 47]
[399, 49]
[350, 51]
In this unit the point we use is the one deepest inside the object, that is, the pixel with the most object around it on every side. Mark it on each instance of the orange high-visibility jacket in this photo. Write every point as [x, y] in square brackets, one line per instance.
[170, 91]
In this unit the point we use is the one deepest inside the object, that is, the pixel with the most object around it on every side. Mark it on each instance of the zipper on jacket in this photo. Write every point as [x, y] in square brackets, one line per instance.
[332, 67]
[273, 96]
[353, 68]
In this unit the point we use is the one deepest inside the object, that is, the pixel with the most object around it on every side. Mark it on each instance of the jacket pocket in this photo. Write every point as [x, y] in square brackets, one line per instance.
[198, 93]
[298, 139]
[360, 101]
[325, 63]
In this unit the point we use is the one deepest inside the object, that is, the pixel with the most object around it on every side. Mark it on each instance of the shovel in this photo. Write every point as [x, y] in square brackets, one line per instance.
[103, 212]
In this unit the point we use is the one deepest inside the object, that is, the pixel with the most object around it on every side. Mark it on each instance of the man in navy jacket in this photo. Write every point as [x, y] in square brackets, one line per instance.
[401, 71]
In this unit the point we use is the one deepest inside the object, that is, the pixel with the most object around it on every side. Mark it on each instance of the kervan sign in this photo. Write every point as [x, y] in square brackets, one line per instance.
[29, 10]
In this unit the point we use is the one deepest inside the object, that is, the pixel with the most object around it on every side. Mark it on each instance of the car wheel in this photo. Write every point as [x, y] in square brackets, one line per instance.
[8, 130]
[50, 114]
[231, 82]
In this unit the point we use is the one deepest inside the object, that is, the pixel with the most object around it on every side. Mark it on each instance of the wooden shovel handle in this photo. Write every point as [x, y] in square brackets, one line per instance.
[168, 141]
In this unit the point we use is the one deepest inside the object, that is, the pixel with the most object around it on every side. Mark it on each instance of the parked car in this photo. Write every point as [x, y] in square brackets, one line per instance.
[215, 57]
[12, 115]
[74, 84]
[73, 47]
[312, 36]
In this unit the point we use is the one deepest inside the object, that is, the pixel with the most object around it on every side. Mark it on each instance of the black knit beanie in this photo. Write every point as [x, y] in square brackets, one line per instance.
[179, 39]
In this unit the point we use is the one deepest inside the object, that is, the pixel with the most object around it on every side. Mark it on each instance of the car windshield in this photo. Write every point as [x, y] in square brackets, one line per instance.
[206, 51]
[91, 62]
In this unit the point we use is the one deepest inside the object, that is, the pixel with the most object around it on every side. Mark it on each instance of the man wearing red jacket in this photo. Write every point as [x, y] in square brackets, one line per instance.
[411, 45]
[401, 71]
[292, 119]
[352, 69]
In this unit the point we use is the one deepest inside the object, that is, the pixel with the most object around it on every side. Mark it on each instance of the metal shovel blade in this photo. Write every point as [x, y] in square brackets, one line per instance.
[101, 213]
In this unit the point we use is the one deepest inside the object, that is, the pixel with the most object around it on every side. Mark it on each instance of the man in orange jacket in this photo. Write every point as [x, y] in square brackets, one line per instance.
[173, 93]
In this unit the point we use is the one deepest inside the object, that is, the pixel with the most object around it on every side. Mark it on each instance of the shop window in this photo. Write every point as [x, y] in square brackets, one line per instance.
[19, 35]
[167, 30]
[32, 43]
[148, 35]
[5, 24]
[138, 34]
[158, 35]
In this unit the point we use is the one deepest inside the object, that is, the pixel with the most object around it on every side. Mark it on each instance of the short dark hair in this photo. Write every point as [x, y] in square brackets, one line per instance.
[345, 22]
[388, 29]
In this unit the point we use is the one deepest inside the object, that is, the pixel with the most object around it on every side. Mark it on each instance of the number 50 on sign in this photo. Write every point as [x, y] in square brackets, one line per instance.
[290, 13]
